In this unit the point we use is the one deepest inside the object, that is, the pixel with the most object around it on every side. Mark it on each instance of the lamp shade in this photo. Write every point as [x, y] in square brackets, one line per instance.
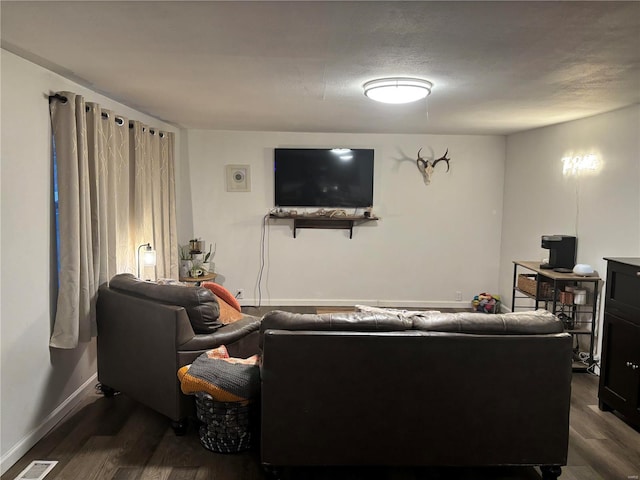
[149, 258]
[397, 90]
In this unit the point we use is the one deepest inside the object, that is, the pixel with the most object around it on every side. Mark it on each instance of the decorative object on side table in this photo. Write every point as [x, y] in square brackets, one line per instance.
[186, 264]
[194, 262]
[207, 277]
[207, 264]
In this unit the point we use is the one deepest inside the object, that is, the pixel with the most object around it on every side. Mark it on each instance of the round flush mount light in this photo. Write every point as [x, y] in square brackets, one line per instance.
[397, 90]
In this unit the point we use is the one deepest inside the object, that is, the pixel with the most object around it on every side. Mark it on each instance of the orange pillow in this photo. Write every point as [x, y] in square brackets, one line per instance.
[221, 292]
[228, 314]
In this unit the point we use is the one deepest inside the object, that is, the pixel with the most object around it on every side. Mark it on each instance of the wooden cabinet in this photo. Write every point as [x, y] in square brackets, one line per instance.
[619, 387]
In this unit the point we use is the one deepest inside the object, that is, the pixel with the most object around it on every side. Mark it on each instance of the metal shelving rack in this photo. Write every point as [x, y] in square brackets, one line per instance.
[549, 284]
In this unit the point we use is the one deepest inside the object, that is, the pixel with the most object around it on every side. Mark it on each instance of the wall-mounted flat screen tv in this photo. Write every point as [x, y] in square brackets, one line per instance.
[323, 177]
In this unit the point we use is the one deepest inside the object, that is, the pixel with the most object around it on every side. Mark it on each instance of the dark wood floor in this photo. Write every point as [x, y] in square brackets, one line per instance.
[118, 439]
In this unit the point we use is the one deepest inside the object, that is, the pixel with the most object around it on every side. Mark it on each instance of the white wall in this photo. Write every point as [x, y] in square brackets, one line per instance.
[431, 240]
[38, 384]
[602, 210]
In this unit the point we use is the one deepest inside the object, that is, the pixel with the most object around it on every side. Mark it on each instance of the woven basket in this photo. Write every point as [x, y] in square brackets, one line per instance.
[229, 427]
[529, 284]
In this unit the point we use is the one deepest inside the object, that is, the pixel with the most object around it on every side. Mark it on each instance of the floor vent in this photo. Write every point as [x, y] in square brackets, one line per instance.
[37, 470]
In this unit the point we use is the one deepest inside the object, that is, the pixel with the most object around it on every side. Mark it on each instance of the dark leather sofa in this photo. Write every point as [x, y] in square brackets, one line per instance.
[146, 332]
[463, 389]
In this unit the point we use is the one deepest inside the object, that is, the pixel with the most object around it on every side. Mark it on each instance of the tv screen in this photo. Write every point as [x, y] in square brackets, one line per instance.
[323, 177]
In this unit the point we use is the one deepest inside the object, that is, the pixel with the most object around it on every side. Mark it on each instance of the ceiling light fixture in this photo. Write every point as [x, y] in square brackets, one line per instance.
[397, 90]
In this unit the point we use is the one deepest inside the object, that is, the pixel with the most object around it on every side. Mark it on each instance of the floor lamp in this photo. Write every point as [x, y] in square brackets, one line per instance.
[148, 258]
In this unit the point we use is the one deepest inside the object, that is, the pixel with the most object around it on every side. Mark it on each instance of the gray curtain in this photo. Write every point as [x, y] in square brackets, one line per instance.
[116, 191]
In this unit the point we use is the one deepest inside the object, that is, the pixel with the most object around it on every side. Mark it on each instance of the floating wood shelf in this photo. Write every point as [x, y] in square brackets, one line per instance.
[344, 222]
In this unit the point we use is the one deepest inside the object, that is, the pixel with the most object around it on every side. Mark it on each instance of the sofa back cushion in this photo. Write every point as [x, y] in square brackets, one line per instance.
[342, 321]
[538, 322]
[200, 303]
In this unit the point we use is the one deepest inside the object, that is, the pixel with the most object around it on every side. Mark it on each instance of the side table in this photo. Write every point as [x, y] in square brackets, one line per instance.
[208, 277]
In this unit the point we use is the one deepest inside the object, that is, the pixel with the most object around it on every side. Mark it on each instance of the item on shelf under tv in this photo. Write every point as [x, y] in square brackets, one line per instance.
[323, 177]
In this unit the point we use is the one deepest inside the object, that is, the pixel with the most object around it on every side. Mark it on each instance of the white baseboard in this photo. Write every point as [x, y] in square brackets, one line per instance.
[315, 302]
[16, 452]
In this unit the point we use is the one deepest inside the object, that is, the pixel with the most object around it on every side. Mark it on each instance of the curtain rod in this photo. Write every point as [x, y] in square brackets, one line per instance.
[144, 129]
[63, 99]
[57, 96]
[119, 120]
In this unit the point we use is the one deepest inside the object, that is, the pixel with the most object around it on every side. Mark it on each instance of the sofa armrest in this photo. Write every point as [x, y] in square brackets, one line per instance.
[226, 335]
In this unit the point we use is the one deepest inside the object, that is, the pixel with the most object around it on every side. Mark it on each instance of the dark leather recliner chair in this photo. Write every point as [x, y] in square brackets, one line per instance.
[465, 389]
[146, 332]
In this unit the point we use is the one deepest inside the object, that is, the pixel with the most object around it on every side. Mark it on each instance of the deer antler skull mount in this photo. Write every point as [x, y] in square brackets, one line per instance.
[426, 166]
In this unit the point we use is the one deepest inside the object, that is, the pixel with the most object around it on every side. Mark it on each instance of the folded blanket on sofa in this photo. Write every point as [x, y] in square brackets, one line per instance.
[225, 379]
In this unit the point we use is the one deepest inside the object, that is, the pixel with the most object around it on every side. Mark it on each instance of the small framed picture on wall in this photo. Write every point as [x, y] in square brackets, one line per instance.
[238, 178]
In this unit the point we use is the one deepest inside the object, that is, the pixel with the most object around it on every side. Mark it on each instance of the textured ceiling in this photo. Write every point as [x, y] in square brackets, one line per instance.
[497, 67]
